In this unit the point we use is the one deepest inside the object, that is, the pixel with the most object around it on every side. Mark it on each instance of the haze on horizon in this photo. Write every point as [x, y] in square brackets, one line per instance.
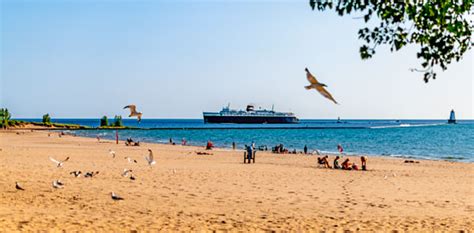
[176, 59]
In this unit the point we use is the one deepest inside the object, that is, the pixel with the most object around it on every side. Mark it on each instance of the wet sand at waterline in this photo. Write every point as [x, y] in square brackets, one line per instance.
[188, 192]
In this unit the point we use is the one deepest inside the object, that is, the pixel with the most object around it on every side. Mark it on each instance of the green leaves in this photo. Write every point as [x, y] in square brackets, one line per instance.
[440, 28]
[5, 117]
[46, 119]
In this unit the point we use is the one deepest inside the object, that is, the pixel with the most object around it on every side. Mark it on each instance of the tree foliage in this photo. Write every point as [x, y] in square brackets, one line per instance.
[117, 121]
[104, 121]
[46, 119]
[5, 117]
[440, 27]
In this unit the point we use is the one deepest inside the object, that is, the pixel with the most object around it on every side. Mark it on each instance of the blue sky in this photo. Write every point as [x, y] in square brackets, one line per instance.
[175, 59]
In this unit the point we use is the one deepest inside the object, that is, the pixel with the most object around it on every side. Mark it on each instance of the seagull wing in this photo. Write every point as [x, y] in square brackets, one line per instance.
[54, 161]
[133, 108]
[65, 160]
[311, 78]
[325, 93]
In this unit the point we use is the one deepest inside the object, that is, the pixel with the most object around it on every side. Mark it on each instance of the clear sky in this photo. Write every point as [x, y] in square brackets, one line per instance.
[175, 59]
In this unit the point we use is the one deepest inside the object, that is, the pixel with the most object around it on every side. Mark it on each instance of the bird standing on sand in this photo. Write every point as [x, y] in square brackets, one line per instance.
[133, 112]
[111, 152]
[126, 172]
[150, 158]
[115, 197]
[318, 86]
[18, 187]
[75, 173]
[58, 163]
[57, 184]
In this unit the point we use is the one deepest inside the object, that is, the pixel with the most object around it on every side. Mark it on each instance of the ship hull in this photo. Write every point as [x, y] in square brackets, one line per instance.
[251, 119]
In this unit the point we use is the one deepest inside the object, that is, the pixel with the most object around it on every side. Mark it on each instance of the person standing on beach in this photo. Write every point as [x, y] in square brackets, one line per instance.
[183, 142]
[340, 149]
[249, 152]
[363, 161]
[233, 145]
[305, 149]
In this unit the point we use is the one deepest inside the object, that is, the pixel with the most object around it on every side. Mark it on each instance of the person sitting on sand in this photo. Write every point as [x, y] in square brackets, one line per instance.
[209, 145]
[336, 163]
[363, 161]
[324, 161]
[355, 167]
[346, 165]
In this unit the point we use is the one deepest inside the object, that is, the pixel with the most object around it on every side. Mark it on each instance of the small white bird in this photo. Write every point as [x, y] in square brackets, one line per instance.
[111, 152]
[150, 159]
[57, 184]
[115, 197]
[174, 171]
[126, 172]
[75, 173]
[58, 163]
[133, 112]
[314, 84]
[130, 160]
[18, 187]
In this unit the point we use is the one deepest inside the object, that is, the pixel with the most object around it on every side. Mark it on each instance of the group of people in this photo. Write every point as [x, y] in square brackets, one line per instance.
[345, 165]
[130, 142]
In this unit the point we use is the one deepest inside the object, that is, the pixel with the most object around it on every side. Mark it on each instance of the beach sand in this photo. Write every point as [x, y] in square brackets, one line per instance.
[189, 192]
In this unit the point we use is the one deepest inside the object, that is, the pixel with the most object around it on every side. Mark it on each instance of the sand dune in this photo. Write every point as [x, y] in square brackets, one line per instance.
[190, 192]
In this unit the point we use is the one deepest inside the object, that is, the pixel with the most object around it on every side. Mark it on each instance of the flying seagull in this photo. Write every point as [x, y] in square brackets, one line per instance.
[318, 86]
[133, 112]
[18, 187]
[57, 184]
[75, 173]
[111, 152]
[150, 159]
[115, 197]
[58, 163]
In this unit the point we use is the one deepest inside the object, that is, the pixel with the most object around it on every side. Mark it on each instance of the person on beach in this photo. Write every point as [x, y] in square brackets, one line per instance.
[98, 138]
[183, 142]
[355, 167]
[305, 149]
[209, 145]
[340, 149]
[346, 165]
[171, 141]
[324, 161]
[233, 145]
[336, 163]
[363, 161]
[249, 152]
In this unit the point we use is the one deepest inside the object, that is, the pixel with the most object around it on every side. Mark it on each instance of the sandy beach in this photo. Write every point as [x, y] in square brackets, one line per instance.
[188, 192]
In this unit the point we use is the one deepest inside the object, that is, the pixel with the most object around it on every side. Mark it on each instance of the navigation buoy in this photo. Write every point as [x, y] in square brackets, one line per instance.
[452, 118]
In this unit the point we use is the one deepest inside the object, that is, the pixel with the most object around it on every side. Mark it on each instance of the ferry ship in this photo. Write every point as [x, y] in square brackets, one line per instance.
[250, 116]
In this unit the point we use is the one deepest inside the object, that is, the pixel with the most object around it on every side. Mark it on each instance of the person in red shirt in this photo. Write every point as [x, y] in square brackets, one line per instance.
[209, 145]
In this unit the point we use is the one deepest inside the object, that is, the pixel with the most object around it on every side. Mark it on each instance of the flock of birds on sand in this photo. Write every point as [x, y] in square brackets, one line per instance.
[57, 184]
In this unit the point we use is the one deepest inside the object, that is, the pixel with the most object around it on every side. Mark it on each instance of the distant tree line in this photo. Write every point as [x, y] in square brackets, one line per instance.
[104, 122]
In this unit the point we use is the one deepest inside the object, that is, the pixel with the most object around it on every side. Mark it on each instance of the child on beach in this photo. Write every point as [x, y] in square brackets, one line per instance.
[339, 148]
[336, 163]
[363, 160]
[346, 165]
[209, 145]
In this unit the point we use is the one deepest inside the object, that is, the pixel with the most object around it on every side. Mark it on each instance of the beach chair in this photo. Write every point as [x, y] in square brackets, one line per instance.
[246, 157]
